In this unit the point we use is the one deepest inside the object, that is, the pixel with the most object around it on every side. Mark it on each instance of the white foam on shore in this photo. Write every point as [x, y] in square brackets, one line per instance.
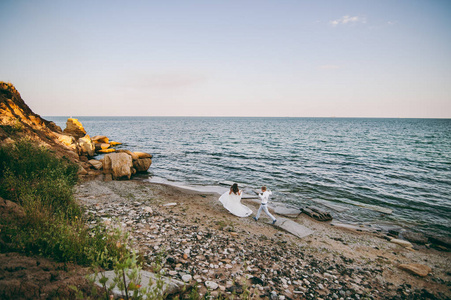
[371, 207]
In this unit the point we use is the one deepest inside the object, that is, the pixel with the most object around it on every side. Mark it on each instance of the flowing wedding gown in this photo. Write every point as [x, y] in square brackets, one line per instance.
[232, 202]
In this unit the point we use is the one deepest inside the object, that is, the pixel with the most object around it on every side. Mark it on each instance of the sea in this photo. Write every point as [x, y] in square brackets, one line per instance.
[391, 174]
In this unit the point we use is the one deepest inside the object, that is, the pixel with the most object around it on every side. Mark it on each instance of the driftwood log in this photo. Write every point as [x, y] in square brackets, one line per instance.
[316, 213]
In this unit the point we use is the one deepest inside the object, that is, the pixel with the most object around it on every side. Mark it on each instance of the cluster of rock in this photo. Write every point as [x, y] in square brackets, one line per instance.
[75, 137]
[411, 240]
[116, 164]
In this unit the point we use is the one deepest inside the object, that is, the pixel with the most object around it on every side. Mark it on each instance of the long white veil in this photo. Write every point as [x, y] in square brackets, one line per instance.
[232, 202]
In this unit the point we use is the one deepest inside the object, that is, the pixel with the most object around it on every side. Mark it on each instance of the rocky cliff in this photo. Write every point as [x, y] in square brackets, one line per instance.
[18, 121]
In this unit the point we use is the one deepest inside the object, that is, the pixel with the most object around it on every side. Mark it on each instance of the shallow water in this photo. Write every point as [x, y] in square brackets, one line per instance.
[358, 169]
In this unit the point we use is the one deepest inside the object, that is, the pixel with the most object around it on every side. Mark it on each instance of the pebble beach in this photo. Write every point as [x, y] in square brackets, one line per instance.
[198, 242]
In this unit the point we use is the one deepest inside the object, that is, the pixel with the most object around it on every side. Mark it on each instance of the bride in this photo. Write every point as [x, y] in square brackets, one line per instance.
[232, 202]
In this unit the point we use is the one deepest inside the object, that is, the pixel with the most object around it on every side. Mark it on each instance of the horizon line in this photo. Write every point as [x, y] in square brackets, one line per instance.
[332, 117]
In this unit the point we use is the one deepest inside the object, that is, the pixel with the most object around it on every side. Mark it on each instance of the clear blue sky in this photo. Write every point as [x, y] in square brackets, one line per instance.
[229, 58]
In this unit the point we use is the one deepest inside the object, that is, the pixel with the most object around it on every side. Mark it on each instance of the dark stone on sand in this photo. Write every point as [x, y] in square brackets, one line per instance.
[415, 237]
[441, 241]
[316, 213]
[256, 280]
[393, 232]
[170, 260]
[236, 289]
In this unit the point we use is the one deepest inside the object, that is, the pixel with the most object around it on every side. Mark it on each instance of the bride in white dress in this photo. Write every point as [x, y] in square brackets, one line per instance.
[232, 202]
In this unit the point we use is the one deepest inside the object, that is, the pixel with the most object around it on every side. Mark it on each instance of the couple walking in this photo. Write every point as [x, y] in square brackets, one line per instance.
[231, 200]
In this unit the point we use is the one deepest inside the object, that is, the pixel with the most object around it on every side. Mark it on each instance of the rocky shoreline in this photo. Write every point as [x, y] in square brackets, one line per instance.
[18, 121]
[203, 245]
[116, 164]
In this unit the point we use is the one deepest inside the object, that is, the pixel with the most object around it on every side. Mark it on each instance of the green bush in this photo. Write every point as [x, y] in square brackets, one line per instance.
[30, 171]
[42, 184]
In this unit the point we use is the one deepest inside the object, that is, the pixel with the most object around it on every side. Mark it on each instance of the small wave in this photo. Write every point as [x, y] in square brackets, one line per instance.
[371, 207]
[331, 205]
[365, 165]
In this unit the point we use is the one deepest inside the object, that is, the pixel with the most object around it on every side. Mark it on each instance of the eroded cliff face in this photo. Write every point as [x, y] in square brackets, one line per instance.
[13, 108]
[18, 121]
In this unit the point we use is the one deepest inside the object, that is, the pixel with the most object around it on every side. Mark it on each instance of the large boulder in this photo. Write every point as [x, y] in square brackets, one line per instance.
[85, 146]
[141, 160]
[118, 164]
[142, 164]
[74, 128]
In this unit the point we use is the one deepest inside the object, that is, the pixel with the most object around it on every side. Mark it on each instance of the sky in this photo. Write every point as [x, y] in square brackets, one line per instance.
[281, 58]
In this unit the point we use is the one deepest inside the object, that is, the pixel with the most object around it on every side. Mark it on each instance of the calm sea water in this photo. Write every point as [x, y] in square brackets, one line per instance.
[354, 168]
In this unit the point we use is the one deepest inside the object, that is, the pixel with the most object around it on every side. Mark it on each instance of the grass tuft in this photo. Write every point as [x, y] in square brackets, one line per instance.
[42, 185]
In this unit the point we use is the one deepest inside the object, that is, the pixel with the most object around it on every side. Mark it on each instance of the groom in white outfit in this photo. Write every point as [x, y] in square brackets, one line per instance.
[264, 196]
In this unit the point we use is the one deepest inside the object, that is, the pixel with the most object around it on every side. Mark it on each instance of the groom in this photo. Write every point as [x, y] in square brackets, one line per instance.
[264, 196]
